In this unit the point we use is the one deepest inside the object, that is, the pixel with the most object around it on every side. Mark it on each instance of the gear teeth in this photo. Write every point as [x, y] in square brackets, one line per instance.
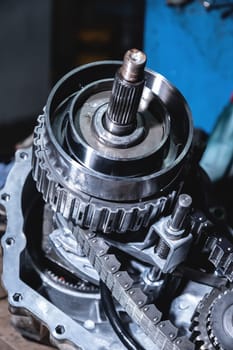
[203, 333]
[81, 209]
[199, 331]
[218, 308]
[80, 286]
[103, 216]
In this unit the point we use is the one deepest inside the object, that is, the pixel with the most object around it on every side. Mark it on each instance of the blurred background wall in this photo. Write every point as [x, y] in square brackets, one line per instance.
[193, 48]
[42, 40]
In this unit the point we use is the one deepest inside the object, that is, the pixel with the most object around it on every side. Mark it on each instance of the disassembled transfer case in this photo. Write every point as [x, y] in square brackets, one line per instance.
[109, 244]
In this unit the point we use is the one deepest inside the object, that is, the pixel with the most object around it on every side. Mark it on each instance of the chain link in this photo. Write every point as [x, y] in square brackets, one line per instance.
[162, 332]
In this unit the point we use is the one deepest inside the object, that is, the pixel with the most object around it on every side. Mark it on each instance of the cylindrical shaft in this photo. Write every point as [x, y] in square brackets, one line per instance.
[180, 212]
[126, 94]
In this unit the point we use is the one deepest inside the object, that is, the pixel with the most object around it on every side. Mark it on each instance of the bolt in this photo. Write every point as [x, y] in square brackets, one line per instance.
[60, 329]
[180, 212]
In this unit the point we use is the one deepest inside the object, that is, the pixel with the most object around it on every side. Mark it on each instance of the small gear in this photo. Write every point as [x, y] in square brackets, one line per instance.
[78, 285]
[198, 327]
[220, 321]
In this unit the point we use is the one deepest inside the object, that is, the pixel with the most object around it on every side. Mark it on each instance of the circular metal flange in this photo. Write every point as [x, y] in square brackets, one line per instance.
[114, 140]
[144, 148]
[72, 162]
[106, 186]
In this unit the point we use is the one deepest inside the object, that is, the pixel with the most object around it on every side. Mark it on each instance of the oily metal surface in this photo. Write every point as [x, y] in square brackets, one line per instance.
[82, 209]
[99, 185]
[97, 199]
[140, 152]
[200, 335]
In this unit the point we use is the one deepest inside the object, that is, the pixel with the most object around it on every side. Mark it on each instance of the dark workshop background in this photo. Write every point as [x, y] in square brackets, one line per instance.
[42, 40]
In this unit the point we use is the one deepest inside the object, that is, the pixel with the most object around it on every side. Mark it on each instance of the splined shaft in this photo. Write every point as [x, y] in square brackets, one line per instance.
[126, 94]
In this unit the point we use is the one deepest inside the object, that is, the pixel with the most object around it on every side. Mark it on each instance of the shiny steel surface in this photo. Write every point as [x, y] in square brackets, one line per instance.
[126, 94]
[132, 69]
[113, 187]
[109, 183]
[125, 155]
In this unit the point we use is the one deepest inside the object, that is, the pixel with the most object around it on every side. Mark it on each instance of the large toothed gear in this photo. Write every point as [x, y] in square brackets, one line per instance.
[212, 322]
[107, 160]
[81, 208]
[220, 321]
[200, 334]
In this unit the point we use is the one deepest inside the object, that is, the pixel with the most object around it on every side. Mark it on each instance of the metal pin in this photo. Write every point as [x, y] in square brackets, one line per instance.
[180, 212]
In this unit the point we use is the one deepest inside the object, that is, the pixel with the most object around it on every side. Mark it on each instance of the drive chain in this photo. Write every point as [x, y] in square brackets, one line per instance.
[220, 254]
[162, 332]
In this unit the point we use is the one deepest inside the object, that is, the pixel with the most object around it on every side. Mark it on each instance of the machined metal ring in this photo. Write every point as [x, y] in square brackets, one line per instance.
[123, 181]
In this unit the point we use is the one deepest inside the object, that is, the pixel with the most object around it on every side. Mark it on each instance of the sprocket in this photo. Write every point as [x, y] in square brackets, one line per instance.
[200, 334]
[212, 323]
[220, 321]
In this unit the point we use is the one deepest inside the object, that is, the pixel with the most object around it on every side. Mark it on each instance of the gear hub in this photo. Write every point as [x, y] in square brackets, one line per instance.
[106, 149]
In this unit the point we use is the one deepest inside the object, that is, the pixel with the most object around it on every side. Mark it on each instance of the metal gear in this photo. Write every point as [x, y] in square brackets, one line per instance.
[131, 298]
[78, 285]
[80, 208]
[200, 334]
[220, 321]
[212, 322]
[92, 176]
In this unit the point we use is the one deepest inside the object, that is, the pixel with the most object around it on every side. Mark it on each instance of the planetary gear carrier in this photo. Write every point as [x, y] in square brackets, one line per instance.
[108, 243]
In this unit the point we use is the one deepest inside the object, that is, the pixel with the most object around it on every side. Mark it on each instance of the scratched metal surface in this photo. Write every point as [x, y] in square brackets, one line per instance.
[194, 50]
